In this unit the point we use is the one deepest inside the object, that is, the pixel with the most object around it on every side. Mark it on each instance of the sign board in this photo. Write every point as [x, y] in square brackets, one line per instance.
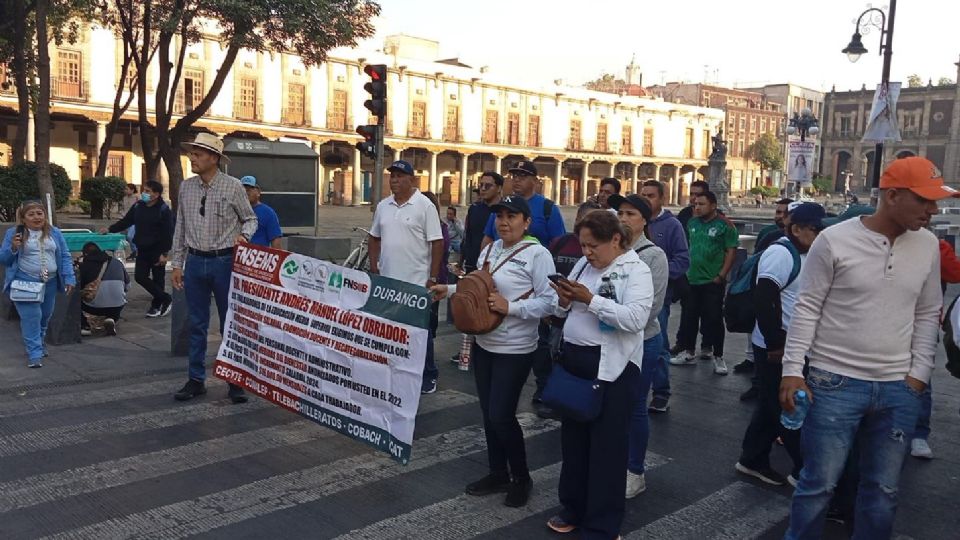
[800, 162]
[338, 346]
[882, 123]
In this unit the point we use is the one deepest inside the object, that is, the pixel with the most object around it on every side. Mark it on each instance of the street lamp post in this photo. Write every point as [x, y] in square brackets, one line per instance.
[803, 123]
[884, 22]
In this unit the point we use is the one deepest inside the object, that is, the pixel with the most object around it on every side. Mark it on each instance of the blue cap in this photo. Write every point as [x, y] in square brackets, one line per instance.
[808, 213]
[401, 167]
[249, 181]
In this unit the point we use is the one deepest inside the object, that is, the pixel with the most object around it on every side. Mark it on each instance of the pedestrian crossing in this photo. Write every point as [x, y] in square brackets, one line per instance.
[136, 496]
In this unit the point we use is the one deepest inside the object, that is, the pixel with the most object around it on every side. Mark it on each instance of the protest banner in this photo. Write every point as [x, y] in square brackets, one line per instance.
[338, 346]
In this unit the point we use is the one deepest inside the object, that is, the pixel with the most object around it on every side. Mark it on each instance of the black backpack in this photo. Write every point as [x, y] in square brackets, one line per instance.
[739, 311]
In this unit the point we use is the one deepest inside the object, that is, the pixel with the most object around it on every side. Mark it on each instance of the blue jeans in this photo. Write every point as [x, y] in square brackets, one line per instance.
[34, 317]
[639, 422]
[926, 408]
[203, 276]
[661, 370]
[886, 414]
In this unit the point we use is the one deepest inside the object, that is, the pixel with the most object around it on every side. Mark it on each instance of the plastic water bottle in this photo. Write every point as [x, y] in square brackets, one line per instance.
[801, 405]
[607, 290]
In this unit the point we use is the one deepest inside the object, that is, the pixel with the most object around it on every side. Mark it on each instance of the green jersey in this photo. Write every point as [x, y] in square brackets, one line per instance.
[709, 242]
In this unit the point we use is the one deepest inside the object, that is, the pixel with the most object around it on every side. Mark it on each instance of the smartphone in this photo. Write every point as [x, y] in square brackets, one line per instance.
[557, 278]
[20, 230]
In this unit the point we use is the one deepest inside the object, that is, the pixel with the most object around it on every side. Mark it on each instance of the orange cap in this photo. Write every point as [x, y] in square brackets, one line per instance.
[920, 176]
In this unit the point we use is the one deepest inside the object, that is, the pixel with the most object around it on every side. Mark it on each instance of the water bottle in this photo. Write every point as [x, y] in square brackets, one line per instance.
[801, 406]
[607, 290]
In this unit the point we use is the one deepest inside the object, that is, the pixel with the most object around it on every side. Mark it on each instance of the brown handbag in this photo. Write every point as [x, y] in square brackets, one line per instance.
[471, 310]
[89, 292]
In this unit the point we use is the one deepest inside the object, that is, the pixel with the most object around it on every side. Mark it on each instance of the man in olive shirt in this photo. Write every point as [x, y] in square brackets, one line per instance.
[713, 244]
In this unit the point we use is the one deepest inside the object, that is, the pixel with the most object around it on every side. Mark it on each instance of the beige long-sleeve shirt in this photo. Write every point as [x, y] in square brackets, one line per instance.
[867, 309]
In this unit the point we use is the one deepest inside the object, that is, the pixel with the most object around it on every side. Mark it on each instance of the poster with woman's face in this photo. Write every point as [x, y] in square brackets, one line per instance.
[800, 162]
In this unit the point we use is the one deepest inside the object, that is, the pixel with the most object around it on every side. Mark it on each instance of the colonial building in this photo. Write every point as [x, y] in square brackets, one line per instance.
[748, 114]
[793, 99]
[929, 120]
[451, 121]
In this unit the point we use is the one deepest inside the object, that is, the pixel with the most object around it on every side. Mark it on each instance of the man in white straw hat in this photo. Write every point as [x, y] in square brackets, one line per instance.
[213, 215]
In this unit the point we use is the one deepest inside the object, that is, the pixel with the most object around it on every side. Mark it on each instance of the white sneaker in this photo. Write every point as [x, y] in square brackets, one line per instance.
[636, 484]
[920, 449]
[705, 354]
[685, 358]
[719, 366]
[792, 480]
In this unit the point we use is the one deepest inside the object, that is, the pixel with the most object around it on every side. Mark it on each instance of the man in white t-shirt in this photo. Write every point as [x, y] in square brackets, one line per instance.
[775, 295]
[406, 243]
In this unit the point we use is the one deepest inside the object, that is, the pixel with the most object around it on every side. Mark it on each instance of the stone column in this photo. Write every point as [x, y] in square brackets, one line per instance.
[434, 181]
[584, 178]
[102, 138]
[499, 164]
[357, 196]
[636, 177]
[613, 170]
[557, 181]
[464, 181]
[676, 182]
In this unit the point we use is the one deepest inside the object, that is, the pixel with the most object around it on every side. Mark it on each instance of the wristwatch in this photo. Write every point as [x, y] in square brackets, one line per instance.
[433, 280]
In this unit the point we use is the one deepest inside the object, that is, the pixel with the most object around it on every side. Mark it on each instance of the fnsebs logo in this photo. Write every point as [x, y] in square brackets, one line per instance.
[290, 267]
[337, 281]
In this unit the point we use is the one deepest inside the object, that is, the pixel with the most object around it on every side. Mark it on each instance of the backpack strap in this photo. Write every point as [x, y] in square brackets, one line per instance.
[644, 248]
[561, 243]
[548, 207]
[512, 255]
[795, 271]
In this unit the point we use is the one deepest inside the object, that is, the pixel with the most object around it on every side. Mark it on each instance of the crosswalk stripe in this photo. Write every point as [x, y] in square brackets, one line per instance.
[43, 488]
[82, 398]
[203, 514]
[466, 516]
[739, 510]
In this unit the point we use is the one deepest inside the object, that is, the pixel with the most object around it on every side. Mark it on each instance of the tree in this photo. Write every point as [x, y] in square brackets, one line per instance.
[914, 81]
[945, 81]
[42, 123]
[307, 28]
[766, 152]
[607, 83]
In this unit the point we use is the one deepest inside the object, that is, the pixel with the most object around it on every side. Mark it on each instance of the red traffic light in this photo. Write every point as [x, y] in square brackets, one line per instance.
[367, 132]
[377, 72]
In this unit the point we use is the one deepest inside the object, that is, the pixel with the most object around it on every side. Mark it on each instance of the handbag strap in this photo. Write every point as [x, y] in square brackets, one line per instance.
[512, 255]
[102, 270]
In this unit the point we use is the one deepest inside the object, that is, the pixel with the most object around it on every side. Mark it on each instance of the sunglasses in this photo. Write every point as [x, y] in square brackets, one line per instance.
[203, 206]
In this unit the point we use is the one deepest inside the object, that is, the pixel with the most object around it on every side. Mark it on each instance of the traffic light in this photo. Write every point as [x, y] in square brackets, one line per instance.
[377, 87]
[368, 146]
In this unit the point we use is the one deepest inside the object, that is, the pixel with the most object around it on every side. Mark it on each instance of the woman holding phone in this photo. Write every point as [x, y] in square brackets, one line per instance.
[606, 300]
[502, 359]
[35, 252]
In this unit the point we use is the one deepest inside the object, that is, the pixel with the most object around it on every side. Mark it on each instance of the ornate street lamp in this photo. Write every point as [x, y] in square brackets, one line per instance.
[804, 123]
[875, 18]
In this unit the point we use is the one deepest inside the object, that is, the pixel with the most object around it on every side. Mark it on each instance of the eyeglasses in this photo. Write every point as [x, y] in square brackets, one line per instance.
[203, 206]
[487, 186]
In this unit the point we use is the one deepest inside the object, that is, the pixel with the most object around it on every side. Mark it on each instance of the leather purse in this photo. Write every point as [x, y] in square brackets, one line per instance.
[26, 291]
[573, 397]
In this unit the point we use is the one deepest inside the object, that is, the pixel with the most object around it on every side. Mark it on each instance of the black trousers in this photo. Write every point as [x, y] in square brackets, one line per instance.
[542, 361]
[500, 379]
[765, 424]
[150, 276]
[593, 477]
[703, 312]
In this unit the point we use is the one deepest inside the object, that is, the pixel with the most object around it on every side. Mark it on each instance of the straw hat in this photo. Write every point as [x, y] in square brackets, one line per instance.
[208, 142]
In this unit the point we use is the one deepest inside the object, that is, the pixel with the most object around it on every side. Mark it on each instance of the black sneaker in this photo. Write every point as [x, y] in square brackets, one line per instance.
[236, 394]
[153, 313]
[192, 389]
[165, 308]
[659, 404]
[518, 493]
[455, 358]
[676, 349]
[744, 367]
[765, 474]
[543, 411]
[750, 393]
[488, 485]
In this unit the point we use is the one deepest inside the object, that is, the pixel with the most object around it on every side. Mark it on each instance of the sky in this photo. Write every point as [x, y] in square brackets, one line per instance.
[731, 42]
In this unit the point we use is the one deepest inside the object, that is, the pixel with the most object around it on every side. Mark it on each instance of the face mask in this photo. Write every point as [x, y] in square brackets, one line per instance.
[145, 197]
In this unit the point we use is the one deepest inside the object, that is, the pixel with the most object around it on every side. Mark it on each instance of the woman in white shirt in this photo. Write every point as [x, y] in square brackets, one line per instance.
[502, 358]
[603, 340]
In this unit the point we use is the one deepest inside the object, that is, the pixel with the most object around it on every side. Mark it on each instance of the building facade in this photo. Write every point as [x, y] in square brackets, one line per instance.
[929, 120]
[449, 120]
[748, 114]
[793, 99]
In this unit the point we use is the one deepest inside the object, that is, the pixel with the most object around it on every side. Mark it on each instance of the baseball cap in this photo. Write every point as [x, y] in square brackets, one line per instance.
[249, 181]
[524, 168]
[513, 203]
[633, 200]
[791, 206]
[401, 167]
[919, 175]
[808, 213]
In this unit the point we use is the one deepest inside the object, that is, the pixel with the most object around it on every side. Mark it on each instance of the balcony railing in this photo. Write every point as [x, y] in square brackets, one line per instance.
[69, 90]
[600, 147]
[295, 117]
[574, 144]
[337, 123]
[490, 139]
[417, 132]
[453, 134]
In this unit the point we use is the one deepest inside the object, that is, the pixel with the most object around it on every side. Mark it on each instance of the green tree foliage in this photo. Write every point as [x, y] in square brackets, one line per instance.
[823, 184]
[945, 81]
[606, 83]
[100, 191]
[914, 81]
[766, 152]
[19, 182]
